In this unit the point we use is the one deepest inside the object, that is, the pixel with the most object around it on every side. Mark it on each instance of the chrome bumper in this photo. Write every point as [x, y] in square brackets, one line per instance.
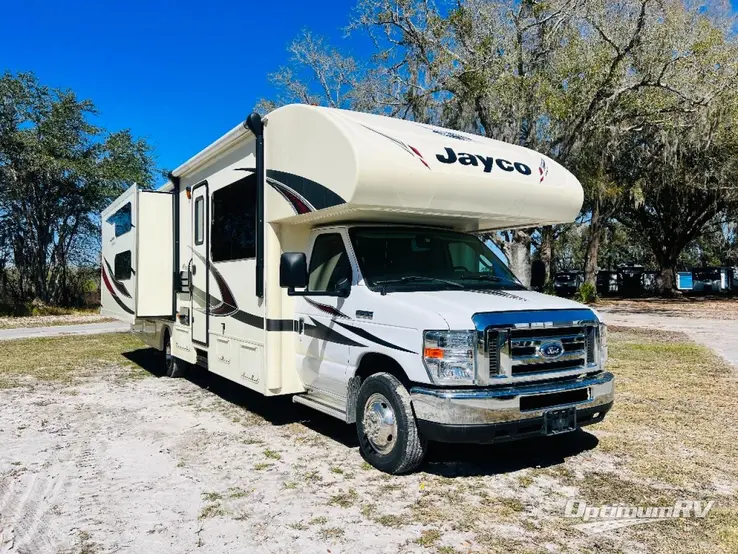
[502, 404]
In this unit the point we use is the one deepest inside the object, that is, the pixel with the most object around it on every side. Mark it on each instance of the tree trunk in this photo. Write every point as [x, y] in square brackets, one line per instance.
[547, 252]
[666, 279]
[593, 245]
[518, 254]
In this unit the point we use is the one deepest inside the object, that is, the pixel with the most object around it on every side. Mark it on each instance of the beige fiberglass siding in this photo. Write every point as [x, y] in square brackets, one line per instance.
[155, 255]
[386, 169]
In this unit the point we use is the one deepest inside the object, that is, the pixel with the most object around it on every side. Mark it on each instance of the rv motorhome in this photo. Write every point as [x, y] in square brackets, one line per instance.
[331, 255]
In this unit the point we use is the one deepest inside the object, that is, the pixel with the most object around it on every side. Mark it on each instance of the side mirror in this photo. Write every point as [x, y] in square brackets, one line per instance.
[343, 288]
[293, 270]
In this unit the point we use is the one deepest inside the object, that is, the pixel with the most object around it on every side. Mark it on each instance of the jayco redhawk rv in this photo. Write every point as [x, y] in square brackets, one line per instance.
[330, 255]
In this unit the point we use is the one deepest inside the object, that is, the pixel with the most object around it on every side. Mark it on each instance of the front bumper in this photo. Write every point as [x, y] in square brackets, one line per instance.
[508, 413]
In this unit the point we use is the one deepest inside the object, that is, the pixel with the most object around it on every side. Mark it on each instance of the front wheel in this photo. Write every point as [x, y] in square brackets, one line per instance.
[388, 435]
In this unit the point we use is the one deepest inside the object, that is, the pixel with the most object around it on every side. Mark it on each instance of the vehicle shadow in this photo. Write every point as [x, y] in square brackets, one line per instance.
[465, 460]
[277, 410]
[457, 460]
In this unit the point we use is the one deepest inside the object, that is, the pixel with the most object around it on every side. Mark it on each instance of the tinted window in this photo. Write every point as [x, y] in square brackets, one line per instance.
[122, 220]
[418, 259]
[233, 228]
[329, 263]
[199, 220]
[123, 265]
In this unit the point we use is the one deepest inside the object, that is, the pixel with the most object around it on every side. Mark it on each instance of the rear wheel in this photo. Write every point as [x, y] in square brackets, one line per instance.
[174, 367]
[388, 436]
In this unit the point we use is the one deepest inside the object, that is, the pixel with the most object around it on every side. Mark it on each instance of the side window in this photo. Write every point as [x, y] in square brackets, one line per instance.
[464, 255]
[329, 263]
[122, 220]
[199, 220]
[123, 265]
[233, 221]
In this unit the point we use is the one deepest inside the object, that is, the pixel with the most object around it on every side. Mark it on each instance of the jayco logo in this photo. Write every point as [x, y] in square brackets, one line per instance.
[488, 162]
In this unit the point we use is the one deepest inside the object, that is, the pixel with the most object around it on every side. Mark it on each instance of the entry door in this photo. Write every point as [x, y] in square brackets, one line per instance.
[199, 266]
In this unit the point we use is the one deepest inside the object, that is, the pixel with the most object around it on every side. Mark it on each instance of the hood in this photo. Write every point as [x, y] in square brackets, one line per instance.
[458, 306]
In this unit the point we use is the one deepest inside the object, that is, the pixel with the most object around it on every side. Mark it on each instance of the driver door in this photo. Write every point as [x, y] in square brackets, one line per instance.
[323, 350]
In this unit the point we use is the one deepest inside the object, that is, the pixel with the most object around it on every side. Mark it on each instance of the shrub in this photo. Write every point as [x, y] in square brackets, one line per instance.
[587, 294]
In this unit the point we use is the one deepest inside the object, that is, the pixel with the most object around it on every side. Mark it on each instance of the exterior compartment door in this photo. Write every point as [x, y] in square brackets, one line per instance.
[200, 263]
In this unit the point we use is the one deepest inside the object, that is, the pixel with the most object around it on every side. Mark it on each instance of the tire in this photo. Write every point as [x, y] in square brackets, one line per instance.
[173, 367]
[385, 424]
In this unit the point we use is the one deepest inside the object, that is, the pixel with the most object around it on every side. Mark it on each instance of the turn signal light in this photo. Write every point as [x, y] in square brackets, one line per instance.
[434, 353]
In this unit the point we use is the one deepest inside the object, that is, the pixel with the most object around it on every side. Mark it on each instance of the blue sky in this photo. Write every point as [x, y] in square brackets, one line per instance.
[178, 73]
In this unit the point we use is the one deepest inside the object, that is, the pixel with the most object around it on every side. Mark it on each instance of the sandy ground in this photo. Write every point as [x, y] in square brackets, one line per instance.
[160, 465]
[713, 323]
[707, 307]
[104, 326]
[122, 460]
[51, 320]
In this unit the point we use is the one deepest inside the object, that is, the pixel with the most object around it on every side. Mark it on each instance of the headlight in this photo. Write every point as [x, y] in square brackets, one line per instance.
[603, 344]
[449, 356]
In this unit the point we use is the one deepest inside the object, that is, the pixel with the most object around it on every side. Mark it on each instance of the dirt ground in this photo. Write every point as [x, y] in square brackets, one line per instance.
[51, 320]
[709, 307]
[101, 454]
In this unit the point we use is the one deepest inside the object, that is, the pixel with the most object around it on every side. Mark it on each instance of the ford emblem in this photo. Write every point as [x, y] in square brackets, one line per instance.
[551, 349]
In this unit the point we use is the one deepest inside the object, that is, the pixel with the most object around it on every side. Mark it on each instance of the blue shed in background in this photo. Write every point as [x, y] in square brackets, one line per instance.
[684, 280]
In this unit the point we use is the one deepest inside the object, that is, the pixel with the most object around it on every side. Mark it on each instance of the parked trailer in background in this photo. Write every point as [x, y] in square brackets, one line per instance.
[712, 279]
[326, 254]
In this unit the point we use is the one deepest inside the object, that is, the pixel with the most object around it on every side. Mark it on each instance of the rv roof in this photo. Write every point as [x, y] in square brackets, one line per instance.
[342, 165]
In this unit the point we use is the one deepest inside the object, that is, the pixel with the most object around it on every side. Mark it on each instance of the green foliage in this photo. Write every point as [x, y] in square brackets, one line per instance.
[549, 288]
[636, 97]
[57, 172]
[587, 293]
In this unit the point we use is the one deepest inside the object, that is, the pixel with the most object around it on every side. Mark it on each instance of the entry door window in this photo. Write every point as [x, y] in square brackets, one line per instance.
[329, 263]
[199, 220]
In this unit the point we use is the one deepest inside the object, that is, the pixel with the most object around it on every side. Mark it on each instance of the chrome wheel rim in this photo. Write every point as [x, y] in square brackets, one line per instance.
[168, 354]
[380, 423]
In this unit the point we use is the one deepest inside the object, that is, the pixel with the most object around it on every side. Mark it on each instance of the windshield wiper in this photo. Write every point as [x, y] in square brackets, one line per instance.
[409, 278]
[490, 277]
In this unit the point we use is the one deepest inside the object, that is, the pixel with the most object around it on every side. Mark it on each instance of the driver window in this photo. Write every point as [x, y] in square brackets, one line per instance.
[329, 263]
[463, 255]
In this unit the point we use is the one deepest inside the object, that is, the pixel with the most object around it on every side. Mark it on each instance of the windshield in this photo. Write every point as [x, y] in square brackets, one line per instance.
[427, 259]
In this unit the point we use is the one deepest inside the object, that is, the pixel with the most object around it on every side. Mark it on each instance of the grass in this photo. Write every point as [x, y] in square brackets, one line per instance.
[429, 537]
[312, 477]
[236, 492]
[330, 533]
[212, 510]
[669, 437]
[344, 499]
[52, 317]
[273, 455]
[391, 520]
[63, 359]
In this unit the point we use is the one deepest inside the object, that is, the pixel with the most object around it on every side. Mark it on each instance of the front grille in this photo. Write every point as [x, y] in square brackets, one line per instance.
[591, 344]
[493, 347]
[534, 351]
[529, 369]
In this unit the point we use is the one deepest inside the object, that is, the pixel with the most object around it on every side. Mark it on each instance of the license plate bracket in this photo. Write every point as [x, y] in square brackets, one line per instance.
[559, 421]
